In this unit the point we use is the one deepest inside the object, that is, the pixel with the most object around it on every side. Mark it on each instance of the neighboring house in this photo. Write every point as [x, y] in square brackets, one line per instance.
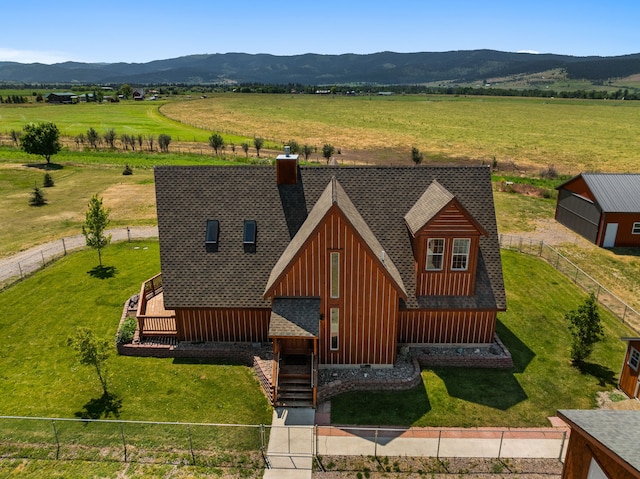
[138, 94]
[603, 444]
[61, 98]
[334, 266]
[630, 374]
[602, 207]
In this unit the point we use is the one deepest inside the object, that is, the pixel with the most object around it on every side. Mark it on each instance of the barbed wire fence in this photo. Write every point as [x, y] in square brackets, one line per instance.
[580, 278]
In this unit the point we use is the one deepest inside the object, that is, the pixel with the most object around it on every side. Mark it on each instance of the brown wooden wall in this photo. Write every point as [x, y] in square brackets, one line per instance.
[462, 326]
[449, 224]
[234, 325]
[628, 377]
[579, 187]
[625, 224]
[368, 300]
[579, 453]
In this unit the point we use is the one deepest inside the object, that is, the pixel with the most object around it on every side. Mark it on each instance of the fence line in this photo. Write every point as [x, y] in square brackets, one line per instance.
[17, 267]
[561, 263]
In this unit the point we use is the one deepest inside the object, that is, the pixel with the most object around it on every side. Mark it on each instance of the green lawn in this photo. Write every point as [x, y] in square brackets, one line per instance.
[541, 382]
[39, 375]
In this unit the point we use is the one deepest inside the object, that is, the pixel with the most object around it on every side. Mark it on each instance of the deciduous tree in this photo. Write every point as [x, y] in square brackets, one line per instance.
[96, 221]
[41, 139]
[94, 352]
[327, 151]
[257, 143]
[416, 156]
[216, 142]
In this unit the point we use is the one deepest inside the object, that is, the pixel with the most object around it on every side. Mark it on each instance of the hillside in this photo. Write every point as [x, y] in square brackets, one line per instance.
[383, 68]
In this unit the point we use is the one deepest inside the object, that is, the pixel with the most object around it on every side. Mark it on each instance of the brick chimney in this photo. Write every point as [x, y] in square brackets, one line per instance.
[287, 168]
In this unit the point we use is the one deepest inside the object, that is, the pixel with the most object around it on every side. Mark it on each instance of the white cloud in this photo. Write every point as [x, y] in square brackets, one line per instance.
[528, 51]
[32, 56]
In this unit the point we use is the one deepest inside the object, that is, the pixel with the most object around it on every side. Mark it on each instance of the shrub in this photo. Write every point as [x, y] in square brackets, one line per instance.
[37, 197]
[127, 331]
[48, 181]
[127, 170]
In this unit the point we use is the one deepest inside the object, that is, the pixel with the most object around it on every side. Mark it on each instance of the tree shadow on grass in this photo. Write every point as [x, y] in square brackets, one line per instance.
[102, 407]
[45, 166]
[604, 375]
[103, 272]
[521, 354]
[497, 389]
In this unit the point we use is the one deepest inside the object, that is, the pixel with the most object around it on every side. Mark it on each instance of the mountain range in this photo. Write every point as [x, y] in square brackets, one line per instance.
[384, 68]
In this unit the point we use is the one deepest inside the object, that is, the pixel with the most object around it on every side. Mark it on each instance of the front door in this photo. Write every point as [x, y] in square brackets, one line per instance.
[610, 235]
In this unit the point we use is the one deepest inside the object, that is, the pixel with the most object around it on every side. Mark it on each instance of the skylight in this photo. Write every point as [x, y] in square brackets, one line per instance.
[249, 232]
[212, 232]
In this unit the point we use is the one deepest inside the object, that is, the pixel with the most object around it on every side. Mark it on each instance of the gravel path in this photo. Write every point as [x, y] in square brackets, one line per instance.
[26, 262]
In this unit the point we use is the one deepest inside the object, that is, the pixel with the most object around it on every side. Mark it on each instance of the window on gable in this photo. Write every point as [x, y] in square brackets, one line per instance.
[636, 229]
[634, 358]
[213, 226]
[460, 257]
[249, 236]
[435, 254]
[335, 328]
[335, 275]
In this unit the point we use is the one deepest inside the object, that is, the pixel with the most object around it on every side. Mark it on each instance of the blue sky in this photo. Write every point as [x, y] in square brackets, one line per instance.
[144, 30]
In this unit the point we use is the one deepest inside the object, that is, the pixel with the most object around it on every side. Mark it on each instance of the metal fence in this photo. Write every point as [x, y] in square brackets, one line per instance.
[439, 443]
[18, 266]
[606, 298]
[219, 445]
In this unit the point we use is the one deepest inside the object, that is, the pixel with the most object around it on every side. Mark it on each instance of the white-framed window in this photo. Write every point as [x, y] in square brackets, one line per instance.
[335, 274]
[435, 254]
[595, 471]
[635, 230]
[460, 256]
[335, 328]
[634, 358]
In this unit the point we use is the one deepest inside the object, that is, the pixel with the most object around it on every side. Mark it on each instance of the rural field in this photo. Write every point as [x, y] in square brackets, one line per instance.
[525, 136]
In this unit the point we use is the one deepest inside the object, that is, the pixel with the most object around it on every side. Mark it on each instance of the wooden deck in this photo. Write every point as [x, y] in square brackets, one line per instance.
[155, 307]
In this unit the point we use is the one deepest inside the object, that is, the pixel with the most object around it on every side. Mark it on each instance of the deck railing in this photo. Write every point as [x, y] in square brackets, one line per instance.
[153, 324]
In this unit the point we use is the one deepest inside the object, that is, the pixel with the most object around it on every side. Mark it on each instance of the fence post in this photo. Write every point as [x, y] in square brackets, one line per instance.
[124, 443]
[64, 247]
[43, 262]
[375, 445]
[55, 431]
[128, 234]
[541, 246]
[193, 456]
[20, 269]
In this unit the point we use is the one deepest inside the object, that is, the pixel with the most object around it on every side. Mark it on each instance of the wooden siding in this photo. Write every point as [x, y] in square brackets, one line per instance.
[579, 187]
[628, 376]
[368, 301]
[625, 221]
[582, 448]
[450, 224]
[233, 325]
[461, 326]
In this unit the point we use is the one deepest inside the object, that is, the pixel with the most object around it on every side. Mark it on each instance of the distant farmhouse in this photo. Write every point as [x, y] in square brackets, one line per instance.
[61, 98]
[331, 266]
[602, 207]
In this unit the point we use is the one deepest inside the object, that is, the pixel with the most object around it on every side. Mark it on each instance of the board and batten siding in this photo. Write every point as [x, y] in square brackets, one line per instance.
[629, 377]
[231, 325]
[367, 302]
[446, 326]
[450, 224]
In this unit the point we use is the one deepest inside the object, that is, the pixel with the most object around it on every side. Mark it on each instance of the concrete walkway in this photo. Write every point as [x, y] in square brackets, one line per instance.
[26, 262]
[291, 444]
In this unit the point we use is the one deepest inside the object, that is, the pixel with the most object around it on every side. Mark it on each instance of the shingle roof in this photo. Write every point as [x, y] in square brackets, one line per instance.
[428, 205]
[615, 193]
[618, 431]
[295, 317]
[233, 276]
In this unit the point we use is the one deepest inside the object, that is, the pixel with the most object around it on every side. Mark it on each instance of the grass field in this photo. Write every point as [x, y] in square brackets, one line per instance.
[39, 374]
[572, 135]
[542, 381]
